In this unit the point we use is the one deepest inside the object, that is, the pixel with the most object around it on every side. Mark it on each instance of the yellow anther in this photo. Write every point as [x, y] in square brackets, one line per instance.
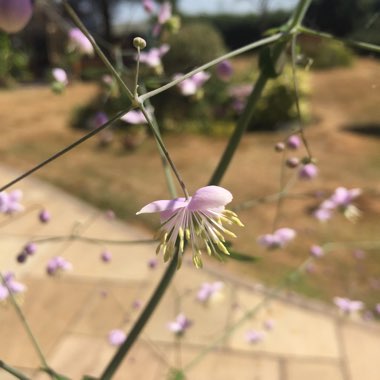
[187, 234]
[237, 221]
[222, 247]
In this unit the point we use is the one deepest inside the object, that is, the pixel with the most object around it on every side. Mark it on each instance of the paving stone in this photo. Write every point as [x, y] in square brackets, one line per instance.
[301, 370]
[362, 350]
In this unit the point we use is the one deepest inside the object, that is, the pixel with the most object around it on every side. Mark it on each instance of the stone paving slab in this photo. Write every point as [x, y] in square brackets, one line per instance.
[302, 370]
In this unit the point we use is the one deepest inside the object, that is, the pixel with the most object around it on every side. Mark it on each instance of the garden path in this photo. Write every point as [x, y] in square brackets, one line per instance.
[71, 315]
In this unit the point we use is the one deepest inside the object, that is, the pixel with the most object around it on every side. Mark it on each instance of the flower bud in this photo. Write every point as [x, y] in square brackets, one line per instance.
[292, 162]
[279, 147]
[15, 14]
[139, 43]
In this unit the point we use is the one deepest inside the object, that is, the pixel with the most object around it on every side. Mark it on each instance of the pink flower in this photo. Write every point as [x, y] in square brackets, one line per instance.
[79, 42]
[208, 290]
[30, 248]
[197, 220]
[148, 5]
[180, 324]
[10, 202]
[134, 117]
[116, 337]
[152, 58]
[164, 13]
[316, 251]
[278, 239]
[224, 70]
[377, 308]
[11, 285]
[60, 76]
[106, 256]
[348, 306]
[190, 86]
[293, 142]
[44, 216]
[57, 264]
[152, 263]
[269, 324]
[254, 336]
[15, 14]
[308, 172]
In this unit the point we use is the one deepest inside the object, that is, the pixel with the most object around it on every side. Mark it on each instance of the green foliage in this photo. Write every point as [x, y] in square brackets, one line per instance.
[277, 106]
[13, 62]
[195, 44]
[326, 54]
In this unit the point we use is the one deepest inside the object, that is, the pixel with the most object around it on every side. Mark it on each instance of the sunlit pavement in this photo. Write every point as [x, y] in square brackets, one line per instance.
[72, 314]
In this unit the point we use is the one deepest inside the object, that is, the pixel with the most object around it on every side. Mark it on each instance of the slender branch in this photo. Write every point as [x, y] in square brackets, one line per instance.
[63, 151]
[298, 15]
[91, 240]
[13, 371]
[252, 46]
[353, 43]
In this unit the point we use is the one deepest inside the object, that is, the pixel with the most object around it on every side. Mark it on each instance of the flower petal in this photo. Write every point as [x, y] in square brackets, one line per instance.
[210, 197]
[163, 205]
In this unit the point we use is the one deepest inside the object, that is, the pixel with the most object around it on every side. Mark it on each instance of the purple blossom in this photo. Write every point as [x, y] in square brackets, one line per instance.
[208, 290]
[152, 263]
[148, 5]
[10, 202]
[99, 119]
[316, 251]
[110, 215]
[180, 324]
[190, 86]
[79, 42]
[198, 220]
[11, 285]
[15, 14]
[293, 142]
[322, 214]
[44, 216]
[377, 308]
[343, 197]
[30, 248]
[254, 336]
[137, 304]
[106, 256]
[269, 324]
[152, 58]
[134, 117]
[164, 13]
[116, 337]
[60, 76]
[224, 70]
[278, 239]
[57, 264]
[308, 172]
[348, 306]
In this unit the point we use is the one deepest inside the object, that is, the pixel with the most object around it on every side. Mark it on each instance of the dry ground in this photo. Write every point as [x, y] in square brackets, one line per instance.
[34, 125]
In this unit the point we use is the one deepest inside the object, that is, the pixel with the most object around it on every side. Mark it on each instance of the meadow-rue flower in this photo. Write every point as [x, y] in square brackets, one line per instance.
[10, 285]
[180, 324]
[278, 239]
[152, 263]
[190, 86]
[348, 306]
[208, 291]
[197, 220]
[99, 119]
[78, 41]
[10, 202]
[224, 70]
[15, 14]
[60, 76]
[134, 117]
[269, 324]
[279, 147]
[292, 162]
[148, 5]
[30, 248]
[152, 57]
[116, 337]
[293, 142]
[254, 336]
[106, 256]
[44, 216]
[377, 308]
[308, 172]
[57, 264]
[164, 15]
[316, 251]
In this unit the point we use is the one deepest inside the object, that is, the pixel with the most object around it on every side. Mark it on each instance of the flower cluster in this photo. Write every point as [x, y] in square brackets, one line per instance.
[10, 202]
[152, 57]
[180, 324]
[56, 265]
[10, 285]
[79, 42]
[190, 86]
[197, 220]
[341, 200]
[209, 291]
[348, 306]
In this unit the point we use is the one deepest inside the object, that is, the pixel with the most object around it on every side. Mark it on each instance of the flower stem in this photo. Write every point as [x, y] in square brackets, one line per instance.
[63, 151]
[13, 371]
[143, 319]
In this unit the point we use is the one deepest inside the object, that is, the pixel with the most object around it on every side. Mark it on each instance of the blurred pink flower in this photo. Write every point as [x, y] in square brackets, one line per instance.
[11, 285]
[10, 202]
[57, 265]
[116, 337]
[134, 117]
[152, 58]
[190, 86]
[180, 324]
[254, 336]
[224, 70]
[106, 256]
[308, 172]
[209, 290]
[15, 14]
[197, 220]
[278, 239]
[78, 41]
[293, 142]
[148, 5]
[316, 251]
[60, 76]
[348, 306]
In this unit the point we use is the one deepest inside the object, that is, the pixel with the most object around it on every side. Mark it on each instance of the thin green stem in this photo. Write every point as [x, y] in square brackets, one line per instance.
[352, 43]
[143, 319]
[137, 73]
[164, 150]
[13, 371]
[63, 151]
[97, 49]
[25, 323]
[298, 15]
[89, 240]
[252, 46]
